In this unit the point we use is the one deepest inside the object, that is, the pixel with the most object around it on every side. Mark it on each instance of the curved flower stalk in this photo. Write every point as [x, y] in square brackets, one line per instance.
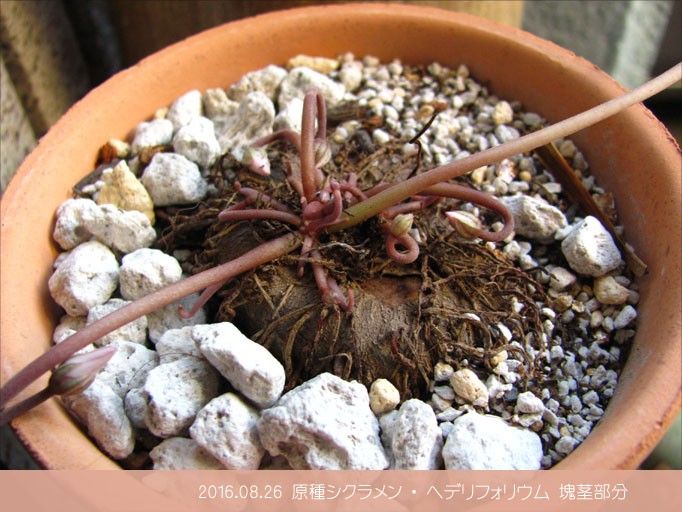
[326, 206]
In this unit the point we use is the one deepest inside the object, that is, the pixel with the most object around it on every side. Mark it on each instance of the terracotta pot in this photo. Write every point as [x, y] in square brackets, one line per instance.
[632, 155]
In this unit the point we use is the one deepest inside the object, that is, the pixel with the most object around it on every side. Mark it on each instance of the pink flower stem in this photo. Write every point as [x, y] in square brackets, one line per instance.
[351, 191]
[294, 178]
[8, 414]
[321, 116]
[406, 241]
[203, 299]
[253, 195]
[238, 206]
[411, 206]
[258, 214]
[310, 177]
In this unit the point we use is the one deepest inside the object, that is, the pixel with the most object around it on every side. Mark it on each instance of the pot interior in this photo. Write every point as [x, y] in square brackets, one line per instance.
[631, 155]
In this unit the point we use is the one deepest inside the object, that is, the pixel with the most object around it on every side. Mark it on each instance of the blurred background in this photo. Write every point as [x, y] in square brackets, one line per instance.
[52, 52]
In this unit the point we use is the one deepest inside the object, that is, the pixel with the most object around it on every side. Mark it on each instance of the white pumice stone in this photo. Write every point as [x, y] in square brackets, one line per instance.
[101, 410]
[449, 414]
[528, 403]
[175, 344]
[532, 119]
[247, 365]
[503, 113]
[608, 291]
[624, 317]
[479, 441]
[134, 332]
[147, 270]
[217, 104]
[69, 230]
[184, 109]
[413, 437]
[442, 371]
[153, 133]
[444, 392]
[266, 80]
[85, 278]
[534, 218]
[560, 278]
[67, 326]
[128, 367]
[468, 386]
[350, 75]
[383, 396]
[289, 117]
[438, 403]
[176, 392]
[173, 179]
[565, 444]
[445, 429]
[386, 422]
[325, 423]
[167, 318]
[496, 388]
[589, 248]
[253, 119]
[178, 453]
[197, 142]
[301, 80]
[135, 406]
[506, 133]
[122, 230]
[380, 136]
[226, 428]
[567, 148]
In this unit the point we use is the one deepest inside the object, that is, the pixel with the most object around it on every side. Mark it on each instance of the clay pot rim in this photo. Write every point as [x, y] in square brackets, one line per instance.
[560, 59]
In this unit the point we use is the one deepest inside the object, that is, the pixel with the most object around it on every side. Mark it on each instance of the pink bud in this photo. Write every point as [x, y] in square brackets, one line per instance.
[78, 372]
[257, 161]
[323, 152]
[465, 223]
[401, 224]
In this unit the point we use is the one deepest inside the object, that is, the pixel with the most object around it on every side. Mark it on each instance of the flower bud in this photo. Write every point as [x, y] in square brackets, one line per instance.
[323, 152]
[401, 224]
[465, 223]
[256, 159]
[78, 372]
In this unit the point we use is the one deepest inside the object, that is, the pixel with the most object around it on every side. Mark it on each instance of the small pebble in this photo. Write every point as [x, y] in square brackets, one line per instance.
[467, 385]
[158, 132]
[528, 403]
[624, 317]
[173, 179]
[442, 371]
[383, 396]
[85, 278]
[590, 250]
[145, 271]
[184, 109]
[608, 291]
